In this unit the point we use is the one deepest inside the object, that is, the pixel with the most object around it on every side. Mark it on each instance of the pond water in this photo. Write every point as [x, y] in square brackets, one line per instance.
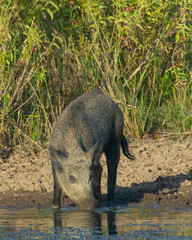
[105, 223]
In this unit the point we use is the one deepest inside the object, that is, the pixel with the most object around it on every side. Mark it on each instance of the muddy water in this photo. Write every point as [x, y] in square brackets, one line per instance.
[105, 223]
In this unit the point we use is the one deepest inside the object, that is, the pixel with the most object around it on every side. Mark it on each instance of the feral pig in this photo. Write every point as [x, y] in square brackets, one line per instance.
[90, 125]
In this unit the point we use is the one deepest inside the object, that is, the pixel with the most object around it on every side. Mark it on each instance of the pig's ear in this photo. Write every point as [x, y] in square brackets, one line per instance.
[94, 149]
[58, 153]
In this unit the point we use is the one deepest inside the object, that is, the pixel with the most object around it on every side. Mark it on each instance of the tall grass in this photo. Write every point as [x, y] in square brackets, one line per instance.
[138, 52]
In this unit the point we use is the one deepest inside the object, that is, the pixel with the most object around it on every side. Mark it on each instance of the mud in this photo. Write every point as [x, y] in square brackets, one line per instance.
[161, 174]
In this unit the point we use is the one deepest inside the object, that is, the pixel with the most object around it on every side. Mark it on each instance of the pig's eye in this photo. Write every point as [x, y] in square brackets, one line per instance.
[72, 179]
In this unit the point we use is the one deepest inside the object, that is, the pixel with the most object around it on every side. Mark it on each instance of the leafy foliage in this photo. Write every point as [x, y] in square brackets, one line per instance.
[139, 52]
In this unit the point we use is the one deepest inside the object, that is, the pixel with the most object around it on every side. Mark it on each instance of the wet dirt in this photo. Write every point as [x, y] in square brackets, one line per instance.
[161, 174]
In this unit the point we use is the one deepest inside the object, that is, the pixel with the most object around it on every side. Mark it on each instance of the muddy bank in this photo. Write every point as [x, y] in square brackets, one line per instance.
[161, 173]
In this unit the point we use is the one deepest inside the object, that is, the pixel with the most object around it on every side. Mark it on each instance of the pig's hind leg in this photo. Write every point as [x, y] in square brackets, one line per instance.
[112, 152]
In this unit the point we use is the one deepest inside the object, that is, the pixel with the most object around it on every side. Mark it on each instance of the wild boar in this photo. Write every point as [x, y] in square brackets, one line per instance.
[90, 125]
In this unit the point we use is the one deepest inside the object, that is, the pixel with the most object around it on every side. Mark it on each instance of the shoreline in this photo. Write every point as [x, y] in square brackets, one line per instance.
[161, 174]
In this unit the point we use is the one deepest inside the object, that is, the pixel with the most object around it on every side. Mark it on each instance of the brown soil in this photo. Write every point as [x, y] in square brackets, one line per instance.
[161, 174]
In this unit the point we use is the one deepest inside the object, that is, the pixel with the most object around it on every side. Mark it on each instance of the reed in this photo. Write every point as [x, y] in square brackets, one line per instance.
[139, 53]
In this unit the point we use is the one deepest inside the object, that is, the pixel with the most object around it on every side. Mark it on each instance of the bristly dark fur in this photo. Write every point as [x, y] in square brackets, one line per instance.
[90, 125]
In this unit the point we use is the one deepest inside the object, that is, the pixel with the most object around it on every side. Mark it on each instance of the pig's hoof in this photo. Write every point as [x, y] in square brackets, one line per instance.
[98, 197]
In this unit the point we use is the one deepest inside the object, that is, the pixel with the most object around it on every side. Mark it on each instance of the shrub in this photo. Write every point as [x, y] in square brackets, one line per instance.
[138, 52]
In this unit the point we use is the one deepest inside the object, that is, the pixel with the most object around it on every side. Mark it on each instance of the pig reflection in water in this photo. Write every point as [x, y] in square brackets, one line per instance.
[90, 125]
[88, 220]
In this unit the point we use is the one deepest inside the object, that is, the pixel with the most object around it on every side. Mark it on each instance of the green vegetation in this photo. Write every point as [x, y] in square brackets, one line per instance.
[139, 52]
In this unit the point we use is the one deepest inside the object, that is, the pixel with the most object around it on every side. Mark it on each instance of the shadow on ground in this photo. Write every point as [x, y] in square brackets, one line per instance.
[163, 190]
[161, 187]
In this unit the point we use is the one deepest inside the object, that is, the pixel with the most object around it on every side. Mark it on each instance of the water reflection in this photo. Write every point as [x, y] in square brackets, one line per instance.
[70, 223]
[111, 223]
[91, 220]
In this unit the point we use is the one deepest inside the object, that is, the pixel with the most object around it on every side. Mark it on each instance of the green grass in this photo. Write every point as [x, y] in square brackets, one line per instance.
[138, 52]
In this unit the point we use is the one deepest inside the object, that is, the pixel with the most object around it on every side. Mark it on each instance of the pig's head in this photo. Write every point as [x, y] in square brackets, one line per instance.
[74, 173]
